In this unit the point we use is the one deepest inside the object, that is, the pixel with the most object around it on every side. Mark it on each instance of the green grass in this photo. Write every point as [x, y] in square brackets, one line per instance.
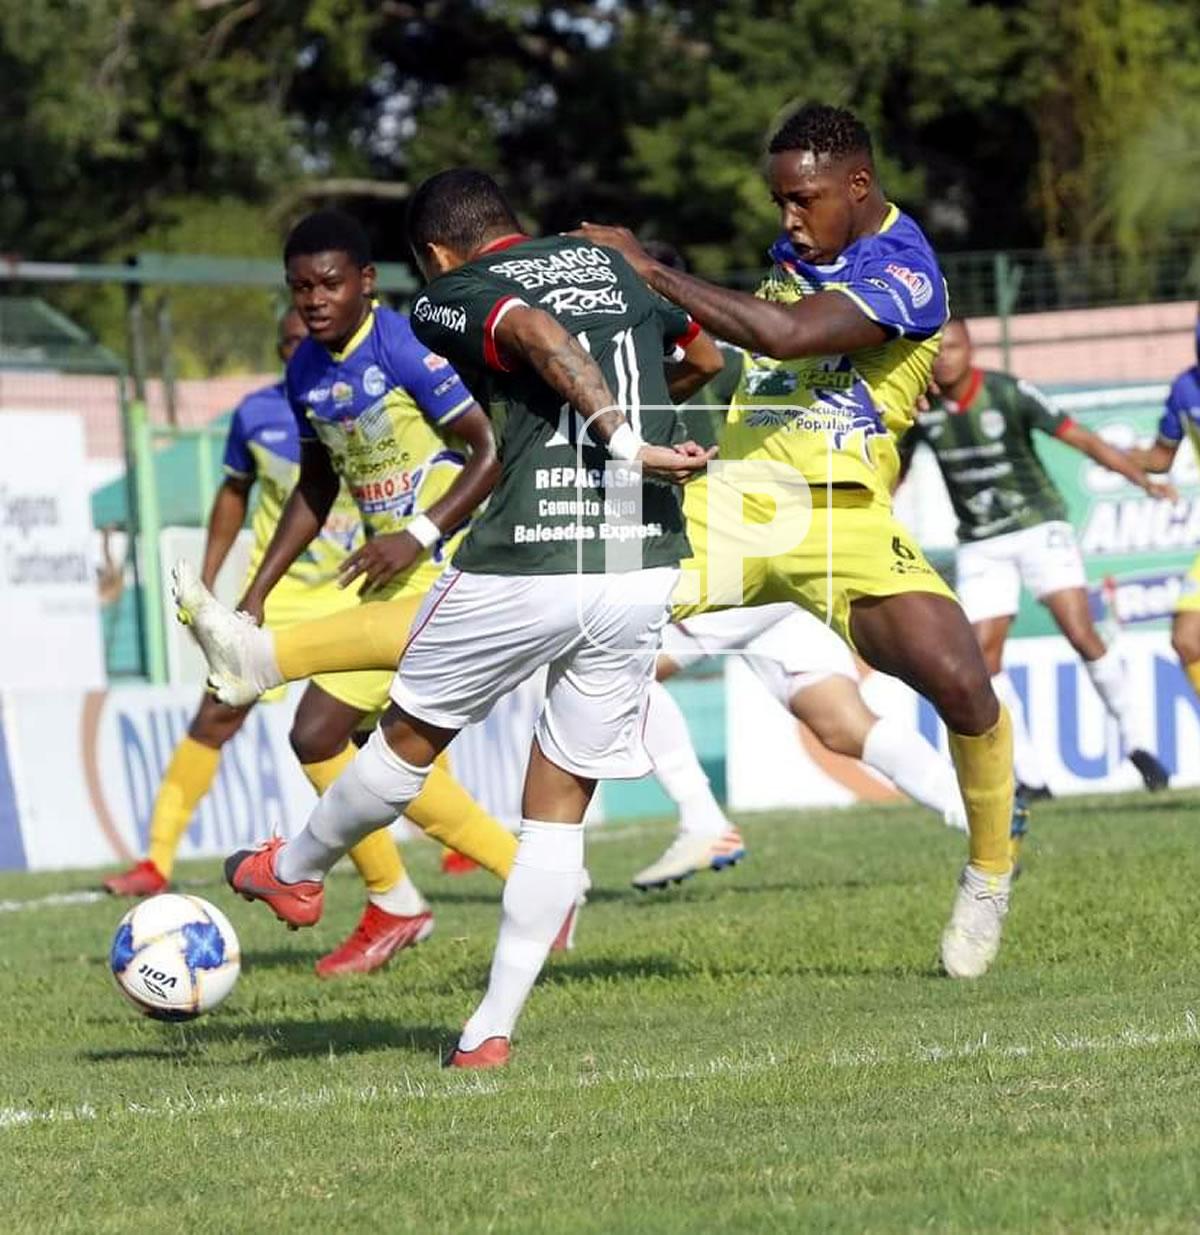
[769, 1049]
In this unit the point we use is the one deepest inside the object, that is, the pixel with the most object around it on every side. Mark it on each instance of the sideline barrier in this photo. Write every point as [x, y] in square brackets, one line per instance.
[79, 772]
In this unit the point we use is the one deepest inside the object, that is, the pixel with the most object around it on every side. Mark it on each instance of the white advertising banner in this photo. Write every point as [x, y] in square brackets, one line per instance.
[79, 772]
[50, 633]
[774, 762]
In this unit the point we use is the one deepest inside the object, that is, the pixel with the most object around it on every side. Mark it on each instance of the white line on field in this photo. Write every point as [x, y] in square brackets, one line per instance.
[55, 898]
[449, 1088]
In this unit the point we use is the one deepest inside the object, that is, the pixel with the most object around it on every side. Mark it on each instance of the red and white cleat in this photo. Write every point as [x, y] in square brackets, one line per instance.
[455, 863]
[251, 874]
[374, 940]
[490, 1053]
[144, 879]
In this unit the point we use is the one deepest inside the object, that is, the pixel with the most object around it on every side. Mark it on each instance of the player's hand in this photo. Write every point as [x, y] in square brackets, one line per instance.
[678, 464]
[1161, 489]
[619, 238]
[253, 606]
[380, 560]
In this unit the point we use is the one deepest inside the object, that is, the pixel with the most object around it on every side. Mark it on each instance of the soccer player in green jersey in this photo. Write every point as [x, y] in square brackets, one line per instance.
[1013, 530]
[571, 566]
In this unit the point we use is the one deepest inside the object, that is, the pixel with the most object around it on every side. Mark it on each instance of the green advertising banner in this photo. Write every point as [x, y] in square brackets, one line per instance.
[1137, 549]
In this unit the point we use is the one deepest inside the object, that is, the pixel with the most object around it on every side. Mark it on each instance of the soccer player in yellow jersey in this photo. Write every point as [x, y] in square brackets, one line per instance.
[377, 410]
[262, 450]
[841, 339]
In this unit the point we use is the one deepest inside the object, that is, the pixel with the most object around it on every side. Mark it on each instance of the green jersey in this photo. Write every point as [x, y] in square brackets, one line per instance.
[563, 504]
[984, 446]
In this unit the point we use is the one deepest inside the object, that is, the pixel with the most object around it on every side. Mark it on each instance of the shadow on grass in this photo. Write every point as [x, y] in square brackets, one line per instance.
[604, 968]
[284, 1039]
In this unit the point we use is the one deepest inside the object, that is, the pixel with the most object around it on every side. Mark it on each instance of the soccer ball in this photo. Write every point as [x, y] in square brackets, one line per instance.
[175, 957]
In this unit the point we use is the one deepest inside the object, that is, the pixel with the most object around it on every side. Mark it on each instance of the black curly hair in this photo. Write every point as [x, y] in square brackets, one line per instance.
[823, 130]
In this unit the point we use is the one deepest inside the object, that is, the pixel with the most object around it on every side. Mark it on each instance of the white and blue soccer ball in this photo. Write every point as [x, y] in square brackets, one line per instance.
[175, 956]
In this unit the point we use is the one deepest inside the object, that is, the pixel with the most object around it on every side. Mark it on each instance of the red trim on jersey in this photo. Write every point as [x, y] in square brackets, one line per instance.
[1063, 425]
[690, 335]
[491, 353]
[973, 388]
[504, 242]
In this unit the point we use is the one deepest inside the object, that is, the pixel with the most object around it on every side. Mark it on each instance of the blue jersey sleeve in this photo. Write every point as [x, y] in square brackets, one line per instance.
[295, 384]
[238, 461]
[902, 290]
[1183, 404]
[431, 380]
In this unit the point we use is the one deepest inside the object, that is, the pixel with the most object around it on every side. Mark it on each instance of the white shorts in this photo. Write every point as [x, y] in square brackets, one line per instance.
[1044, 558]
[786, 646]
[477, 636]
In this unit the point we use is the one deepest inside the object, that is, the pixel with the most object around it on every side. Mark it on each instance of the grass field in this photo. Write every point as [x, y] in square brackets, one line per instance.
[769, 1049]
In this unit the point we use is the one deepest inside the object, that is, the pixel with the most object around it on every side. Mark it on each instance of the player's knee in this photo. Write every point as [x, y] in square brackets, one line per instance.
[842, 736]
[964, 697]
[311, 745]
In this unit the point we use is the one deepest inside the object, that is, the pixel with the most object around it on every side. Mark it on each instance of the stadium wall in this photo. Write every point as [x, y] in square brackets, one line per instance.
[79, 770]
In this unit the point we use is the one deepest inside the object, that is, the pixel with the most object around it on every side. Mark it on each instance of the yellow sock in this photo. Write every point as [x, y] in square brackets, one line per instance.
[188, 777]
[365, 637]
[1193, 675]
[377, 856]
[448, 813]
[985, 774]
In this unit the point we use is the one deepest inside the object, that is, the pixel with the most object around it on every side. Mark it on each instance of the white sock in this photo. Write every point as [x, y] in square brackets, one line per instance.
[1027, 765]
[668, 742]
[371, 792]
[1112, 685]
[906, 758]
[402, 900]
[544, 884]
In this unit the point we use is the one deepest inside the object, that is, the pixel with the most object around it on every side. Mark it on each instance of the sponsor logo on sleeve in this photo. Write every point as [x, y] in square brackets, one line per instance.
[918, 283]
[433, 362]
[374, 383]
[449, 317]
[442, 387]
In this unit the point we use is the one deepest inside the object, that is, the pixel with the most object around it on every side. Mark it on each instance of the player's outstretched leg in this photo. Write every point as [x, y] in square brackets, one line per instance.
[944, 664]
[374, 789]
[244, 660]
[707, 840]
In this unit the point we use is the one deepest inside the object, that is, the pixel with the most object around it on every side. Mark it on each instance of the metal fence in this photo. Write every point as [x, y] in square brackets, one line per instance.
[175, 326]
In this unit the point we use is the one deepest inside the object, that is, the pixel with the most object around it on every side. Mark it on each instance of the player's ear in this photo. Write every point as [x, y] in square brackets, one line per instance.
[861, 178]
[368, 280]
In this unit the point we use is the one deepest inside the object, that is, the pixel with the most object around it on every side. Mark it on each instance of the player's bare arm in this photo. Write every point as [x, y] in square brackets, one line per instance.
[1157, 458]
[224, 522]
[819, 325]
[535, 337]
[302, 519]
[701, 362]
[382, 558]
[1122, 462]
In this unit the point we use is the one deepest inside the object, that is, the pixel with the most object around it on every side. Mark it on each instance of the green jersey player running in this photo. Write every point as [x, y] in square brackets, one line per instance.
[1013, 531]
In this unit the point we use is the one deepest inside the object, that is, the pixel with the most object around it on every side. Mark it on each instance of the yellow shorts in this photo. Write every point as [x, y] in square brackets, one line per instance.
[1189, 598]
[854, 547]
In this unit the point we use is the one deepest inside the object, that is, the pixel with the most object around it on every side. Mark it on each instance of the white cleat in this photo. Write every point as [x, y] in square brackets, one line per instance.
[240, 655]
[689, 854]
[972, 936]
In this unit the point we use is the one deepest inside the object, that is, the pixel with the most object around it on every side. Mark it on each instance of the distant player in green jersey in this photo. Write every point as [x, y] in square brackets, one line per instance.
[1013, 530]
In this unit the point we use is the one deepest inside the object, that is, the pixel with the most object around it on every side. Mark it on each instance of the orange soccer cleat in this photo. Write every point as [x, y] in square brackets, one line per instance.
[490, 1053]
[143, 879]
[251, 874]
[377, 936]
